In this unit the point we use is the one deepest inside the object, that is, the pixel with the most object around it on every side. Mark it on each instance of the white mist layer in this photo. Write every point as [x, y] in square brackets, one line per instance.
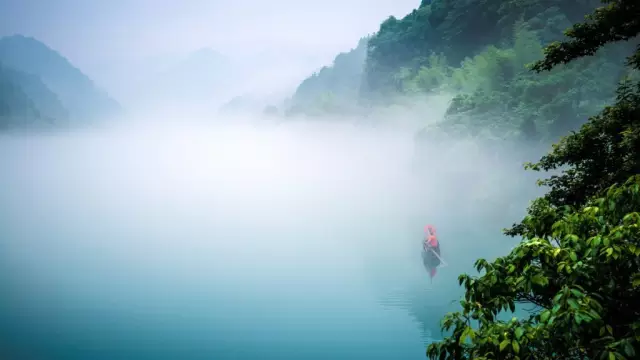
[168, 197]
[302, 222]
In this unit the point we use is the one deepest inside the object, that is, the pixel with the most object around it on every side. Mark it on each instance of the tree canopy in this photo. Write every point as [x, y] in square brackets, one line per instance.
[577, 266]
[604, 151]
[478, 50]
[580, 275]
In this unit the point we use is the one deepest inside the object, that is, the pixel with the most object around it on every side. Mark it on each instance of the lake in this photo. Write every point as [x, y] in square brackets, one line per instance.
[197, 241]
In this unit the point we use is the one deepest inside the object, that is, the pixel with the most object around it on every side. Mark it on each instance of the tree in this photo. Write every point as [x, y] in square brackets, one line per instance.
[581, 275]
[578, 265]
[619, 20]
[604, 151]
[499, 93]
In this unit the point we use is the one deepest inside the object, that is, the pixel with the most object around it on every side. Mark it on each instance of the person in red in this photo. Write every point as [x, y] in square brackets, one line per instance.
[431, 255]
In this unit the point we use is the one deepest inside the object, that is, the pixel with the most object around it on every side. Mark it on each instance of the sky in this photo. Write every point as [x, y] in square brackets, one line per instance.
[111, 40]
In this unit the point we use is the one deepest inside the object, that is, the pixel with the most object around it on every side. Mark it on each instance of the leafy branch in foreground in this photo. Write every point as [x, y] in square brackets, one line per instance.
[604, 151]
[618, 20]
[582, 273]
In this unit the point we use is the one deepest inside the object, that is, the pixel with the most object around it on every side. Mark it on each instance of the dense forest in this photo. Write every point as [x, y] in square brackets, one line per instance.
[477, 51]
[39, 87]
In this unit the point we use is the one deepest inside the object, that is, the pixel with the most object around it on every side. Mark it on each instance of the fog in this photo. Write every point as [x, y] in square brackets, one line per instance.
[233, 238]
[177, 232]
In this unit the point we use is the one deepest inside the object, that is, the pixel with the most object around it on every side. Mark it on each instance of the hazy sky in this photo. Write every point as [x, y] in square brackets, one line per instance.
[110, 38]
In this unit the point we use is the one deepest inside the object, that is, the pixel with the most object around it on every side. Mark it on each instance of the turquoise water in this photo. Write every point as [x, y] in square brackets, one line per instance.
[223, 243]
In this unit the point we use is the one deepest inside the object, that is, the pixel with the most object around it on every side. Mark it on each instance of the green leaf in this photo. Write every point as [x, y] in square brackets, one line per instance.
[516, 346]
[594, 314]
[504, 344]
[573, 303]
[465, 334]
[577, 293]
[557, 297]
[573, 256]
[572, 237]
[612, 356]
[560, 267]
[545, 316]
[539, 280]
[519, 332]
[629, 350]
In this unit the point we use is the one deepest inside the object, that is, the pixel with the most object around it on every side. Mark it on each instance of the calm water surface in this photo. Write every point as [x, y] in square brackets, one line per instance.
[202, 243]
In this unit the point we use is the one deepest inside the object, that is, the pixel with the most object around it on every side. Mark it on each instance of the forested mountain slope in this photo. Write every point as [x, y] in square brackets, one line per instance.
[335, 88]
[478, 51]
[458, 29]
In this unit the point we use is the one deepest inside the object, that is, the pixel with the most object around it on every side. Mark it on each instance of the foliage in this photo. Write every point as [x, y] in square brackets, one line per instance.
[480, 50]
[582, 276]
[459, 29]
[578, 265]
[604, 151]
[499, 95]
[618, 20]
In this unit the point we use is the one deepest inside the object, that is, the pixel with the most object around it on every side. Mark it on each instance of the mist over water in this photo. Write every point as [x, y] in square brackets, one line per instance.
[203, 240]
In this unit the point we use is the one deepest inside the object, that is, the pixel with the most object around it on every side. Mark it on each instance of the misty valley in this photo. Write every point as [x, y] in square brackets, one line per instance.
[459, 180]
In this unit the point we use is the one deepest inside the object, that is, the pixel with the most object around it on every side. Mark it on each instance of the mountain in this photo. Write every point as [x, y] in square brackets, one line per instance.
[75, 92]
[16, 108]
[27, 102]
[479, 50]
[211, 79]
[476, 51]
[334, 87]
